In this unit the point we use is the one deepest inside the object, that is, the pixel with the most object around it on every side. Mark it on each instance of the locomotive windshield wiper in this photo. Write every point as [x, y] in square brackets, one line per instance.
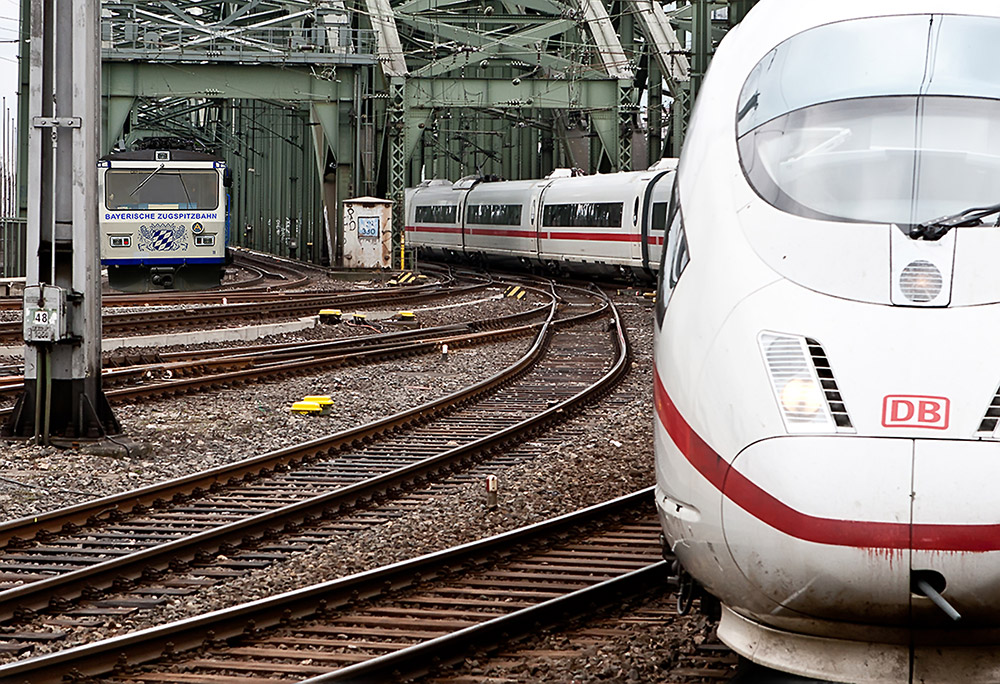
[146, 179]
[939, 227]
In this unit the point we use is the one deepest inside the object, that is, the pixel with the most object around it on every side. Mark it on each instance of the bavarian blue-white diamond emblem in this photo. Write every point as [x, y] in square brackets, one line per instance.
[162, 237]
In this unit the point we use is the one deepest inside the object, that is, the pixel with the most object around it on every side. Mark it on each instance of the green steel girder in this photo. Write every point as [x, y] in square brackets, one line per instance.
[398, 154]
[545, 6]
[541, 98]
[293, 84]
[517, 46]
[467, 56]
[483, 93]
[259, 31]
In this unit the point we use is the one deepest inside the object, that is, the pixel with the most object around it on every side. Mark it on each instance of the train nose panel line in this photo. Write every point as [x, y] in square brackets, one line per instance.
[931, 584]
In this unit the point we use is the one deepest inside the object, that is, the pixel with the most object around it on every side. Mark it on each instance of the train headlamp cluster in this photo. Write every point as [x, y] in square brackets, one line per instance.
[797, 387]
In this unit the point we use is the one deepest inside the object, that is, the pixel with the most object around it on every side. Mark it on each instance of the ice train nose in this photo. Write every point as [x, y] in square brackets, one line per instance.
[820, 526]
[890, 531]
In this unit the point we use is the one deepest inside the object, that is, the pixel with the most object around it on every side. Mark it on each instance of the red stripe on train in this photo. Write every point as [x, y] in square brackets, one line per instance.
[527, 234]
[768, 509]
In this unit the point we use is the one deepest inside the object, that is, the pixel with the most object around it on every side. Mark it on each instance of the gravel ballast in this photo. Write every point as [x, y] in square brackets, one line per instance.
[603, 453]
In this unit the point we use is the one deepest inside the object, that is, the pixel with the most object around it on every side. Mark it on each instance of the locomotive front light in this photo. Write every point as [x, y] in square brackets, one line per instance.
[800, 395]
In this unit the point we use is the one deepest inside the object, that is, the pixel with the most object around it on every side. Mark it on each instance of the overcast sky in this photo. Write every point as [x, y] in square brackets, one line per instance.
[9, 11]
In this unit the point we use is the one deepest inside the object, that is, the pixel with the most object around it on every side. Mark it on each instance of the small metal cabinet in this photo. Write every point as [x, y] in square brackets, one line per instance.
[368, 233]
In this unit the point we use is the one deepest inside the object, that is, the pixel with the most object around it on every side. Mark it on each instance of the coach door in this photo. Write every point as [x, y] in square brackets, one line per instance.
[537, 205]
[635, 229]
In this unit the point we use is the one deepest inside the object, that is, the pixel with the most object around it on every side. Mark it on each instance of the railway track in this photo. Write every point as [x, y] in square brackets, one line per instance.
[272, 277]
[51, 561]
[167, 374]
[395, 622]
[643, 640]
[193, 317]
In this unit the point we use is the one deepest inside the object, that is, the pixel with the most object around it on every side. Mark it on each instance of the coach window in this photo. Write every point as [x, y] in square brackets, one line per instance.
[158, 188]
[437, 214]
[658, 216]
[494, 214]
[583, 215]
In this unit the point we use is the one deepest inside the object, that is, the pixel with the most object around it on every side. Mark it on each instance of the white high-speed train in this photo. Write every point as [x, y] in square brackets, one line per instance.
[609, 224]
[827, 443]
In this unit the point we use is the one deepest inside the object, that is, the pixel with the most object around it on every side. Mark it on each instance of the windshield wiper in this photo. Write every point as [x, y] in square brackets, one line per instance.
[939, 227]
[146, 179]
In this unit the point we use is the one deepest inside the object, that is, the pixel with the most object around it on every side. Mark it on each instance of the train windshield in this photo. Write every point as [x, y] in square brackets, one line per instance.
[160, 188]
[888, 120]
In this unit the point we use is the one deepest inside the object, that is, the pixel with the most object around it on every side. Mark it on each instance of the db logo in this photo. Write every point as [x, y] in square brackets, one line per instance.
[918, 412]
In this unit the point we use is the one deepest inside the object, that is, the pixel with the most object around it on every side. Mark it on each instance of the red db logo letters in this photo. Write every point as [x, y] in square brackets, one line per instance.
[916, 412]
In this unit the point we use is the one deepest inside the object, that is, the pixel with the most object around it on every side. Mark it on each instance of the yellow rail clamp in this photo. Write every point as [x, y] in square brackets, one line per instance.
[359, 318]
[306, 408]
[329, 316]
[421, 277]
[393, 282]
[407, 315]
[324, 402]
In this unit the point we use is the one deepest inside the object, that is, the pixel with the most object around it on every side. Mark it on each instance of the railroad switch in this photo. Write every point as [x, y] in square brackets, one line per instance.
[330, 316]
[405, 319]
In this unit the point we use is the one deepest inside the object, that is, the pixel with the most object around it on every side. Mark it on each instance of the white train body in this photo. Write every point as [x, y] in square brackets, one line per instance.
[826, 383]
[608, 224]
[164, 219]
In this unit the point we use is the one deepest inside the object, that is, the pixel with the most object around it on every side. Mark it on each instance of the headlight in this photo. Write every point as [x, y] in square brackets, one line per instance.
[801, 396]
[796, 385]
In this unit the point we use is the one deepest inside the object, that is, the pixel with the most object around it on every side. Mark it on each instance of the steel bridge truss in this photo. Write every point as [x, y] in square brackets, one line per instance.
[338, 99]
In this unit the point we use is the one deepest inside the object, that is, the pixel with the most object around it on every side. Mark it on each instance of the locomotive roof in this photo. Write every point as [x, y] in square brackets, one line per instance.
[150, 155]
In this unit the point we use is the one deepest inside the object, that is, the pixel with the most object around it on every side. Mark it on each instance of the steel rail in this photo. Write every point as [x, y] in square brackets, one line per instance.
[153, 561]
[250, 619]
[29, 526]
[424, 658]
[244, 291]
[117, 323]
[246, 363]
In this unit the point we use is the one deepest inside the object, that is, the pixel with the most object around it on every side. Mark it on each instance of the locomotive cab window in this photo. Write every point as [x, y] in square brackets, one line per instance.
[915, 139]
[675, 253]
[161, 188]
